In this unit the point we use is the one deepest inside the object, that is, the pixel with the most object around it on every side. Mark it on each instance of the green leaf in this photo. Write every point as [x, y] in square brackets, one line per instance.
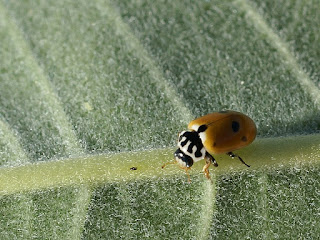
[91, 89]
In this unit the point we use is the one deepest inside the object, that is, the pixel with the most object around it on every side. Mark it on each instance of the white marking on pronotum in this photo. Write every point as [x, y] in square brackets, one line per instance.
[195, 127]
[203, 136]
[185, 148]
[194, 149]
[203, 154]
[182, 139]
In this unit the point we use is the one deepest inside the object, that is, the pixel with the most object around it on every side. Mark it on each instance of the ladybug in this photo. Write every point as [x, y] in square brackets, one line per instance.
[214, 133]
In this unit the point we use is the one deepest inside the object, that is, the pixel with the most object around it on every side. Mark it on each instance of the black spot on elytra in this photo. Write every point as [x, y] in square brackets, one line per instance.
[235, 126]
[214, 144]
[202, 128]
[244, 139]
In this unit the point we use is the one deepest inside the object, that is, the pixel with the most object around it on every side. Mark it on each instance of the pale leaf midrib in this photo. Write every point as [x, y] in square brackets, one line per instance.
[267, 153]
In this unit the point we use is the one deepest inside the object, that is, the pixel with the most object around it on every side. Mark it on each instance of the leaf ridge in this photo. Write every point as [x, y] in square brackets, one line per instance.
[208, 208]
[11, 152]
[41, 82]
[283, 49]
[80, 211]
[162, 83]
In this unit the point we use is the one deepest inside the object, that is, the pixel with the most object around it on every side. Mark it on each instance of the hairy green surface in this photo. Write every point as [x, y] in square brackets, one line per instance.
[81, 81]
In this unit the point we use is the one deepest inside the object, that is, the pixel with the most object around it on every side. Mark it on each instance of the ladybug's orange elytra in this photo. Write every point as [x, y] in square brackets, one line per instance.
[214, 133]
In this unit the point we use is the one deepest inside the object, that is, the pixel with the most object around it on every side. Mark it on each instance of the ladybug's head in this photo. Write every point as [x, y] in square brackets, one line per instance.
[183, 159]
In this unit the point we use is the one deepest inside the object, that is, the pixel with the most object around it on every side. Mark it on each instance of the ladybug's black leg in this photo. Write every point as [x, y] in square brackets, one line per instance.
[214, 162]
[231, 154]
[209, 160]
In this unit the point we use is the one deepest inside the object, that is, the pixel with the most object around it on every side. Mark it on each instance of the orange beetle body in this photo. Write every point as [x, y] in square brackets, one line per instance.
[215, 133]
[226, 132]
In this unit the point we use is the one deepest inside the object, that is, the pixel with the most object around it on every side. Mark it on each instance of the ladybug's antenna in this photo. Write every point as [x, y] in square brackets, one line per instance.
[231, 154]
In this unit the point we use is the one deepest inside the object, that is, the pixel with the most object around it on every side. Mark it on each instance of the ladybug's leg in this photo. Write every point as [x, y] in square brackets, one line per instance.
[231, 154]
[209, 160]
[174, 162]
[185, 168]
[213, 161]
